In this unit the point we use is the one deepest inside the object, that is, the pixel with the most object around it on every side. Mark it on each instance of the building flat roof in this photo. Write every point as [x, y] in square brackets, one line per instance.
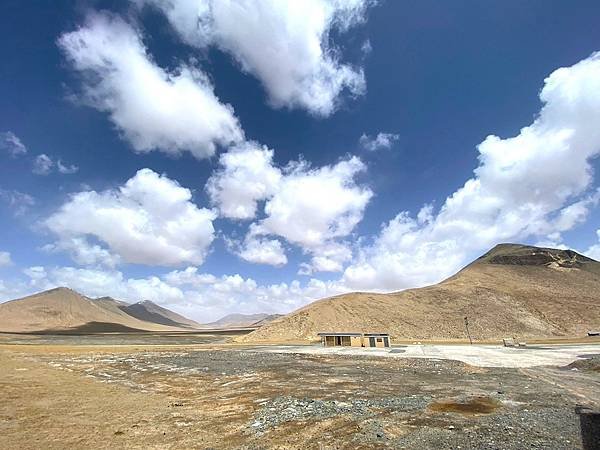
[339, 334]
[376, 334]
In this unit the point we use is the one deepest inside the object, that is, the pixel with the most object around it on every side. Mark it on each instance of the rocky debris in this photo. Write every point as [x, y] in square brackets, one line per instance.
[591, 363]
[287, 409]
[541, 257]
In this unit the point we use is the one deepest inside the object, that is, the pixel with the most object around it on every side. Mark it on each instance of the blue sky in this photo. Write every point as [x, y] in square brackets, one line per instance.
[211, 156]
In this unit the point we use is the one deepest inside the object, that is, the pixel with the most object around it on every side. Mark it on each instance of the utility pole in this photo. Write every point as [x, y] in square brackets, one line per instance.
[467, 327]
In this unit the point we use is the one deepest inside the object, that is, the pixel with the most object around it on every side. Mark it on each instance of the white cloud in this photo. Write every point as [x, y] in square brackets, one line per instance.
[310, 208]
[594, 251]
[382, 140]
[200, 296]
[259, 250]
[150, 220]
[534, 184]
[286, 45]
[190, 277]
[42, 164]
[66, 169]
[84, 253]
[5, 259]
[314, 206]
[98, 283]
[19, 202]
[328, 257]
[247, 176]
[10, 142]
[263, 251]
[154, 109]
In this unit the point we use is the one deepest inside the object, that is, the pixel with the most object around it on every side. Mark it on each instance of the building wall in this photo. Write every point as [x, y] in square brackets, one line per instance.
[352, 341]
[379, 341]
[344, 341]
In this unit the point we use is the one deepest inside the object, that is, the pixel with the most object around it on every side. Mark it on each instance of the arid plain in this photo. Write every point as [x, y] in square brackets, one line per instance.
[201, 392]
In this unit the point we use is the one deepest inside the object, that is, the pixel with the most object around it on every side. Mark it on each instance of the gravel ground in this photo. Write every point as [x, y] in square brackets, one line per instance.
[254, 400]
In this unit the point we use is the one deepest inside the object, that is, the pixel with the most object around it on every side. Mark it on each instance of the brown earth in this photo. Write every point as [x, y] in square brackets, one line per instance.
[80, 397]
[513, 290]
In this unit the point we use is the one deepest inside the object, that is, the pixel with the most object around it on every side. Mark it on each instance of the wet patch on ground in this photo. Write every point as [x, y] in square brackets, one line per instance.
[475, 405]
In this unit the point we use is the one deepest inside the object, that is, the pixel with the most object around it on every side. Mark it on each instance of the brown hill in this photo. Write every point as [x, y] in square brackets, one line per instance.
[62, 309]
[151, 312]
[111, 304]
[267, 319]
[511, 290]
[239, 320]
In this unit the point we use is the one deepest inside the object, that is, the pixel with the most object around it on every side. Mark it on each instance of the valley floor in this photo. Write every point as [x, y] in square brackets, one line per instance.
[220, 396]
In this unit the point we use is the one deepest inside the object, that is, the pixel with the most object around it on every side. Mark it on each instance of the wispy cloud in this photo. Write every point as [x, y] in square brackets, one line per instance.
[12, 144]
[382, 140]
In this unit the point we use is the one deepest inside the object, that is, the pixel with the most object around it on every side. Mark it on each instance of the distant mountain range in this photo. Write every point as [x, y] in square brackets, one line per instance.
[243, 320]
[64, 310]
[513, 290]
[151, 312]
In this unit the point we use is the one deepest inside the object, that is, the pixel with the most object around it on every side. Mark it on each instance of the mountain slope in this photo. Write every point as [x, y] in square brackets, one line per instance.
[151, 312]
[511, 290]
[238, 320]
[111, 304]
[64, 309]
[267, 319]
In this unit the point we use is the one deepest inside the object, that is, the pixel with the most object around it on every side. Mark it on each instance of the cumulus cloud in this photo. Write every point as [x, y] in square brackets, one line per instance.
[83, 252]
[98, 283]
[42, 165]
[382, 140]
[286, 45]
[327, 257]
[314, 206]
[259, 250]
[201, 296]
[534, 184]
[11, 143]
[309, 207]
[5, 259]
[19, 202]
[246, 176]
[154, 109]
[149, 220]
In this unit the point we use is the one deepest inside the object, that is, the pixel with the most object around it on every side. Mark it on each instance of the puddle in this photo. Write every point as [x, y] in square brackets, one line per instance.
[476, 405]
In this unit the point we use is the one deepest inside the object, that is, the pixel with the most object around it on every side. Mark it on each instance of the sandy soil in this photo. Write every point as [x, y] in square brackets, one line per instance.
[214, 396]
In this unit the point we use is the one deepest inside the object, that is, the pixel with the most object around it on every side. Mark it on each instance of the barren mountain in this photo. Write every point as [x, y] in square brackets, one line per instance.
[513, 290]
[267, 319]
[62, 309]
[111, 304]
[242, 320]
[151, 312]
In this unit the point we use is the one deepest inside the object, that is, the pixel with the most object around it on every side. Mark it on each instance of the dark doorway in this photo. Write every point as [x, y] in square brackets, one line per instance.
[371, 342]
